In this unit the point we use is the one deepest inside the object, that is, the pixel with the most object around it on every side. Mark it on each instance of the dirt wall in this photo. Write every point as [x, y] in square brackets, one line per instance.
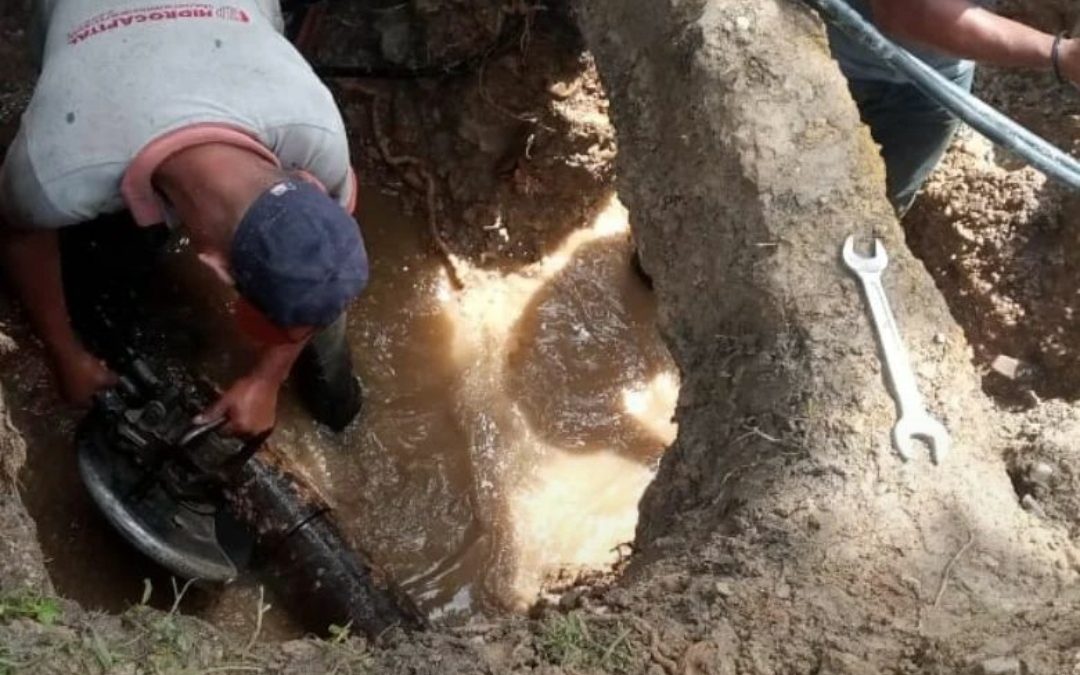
[21, 563]
[744, 165]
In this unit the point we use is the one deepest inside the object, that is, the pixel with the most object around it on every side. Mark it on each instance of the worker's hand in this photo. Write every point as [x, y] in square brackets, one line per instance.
[81, 375]
[249, 407]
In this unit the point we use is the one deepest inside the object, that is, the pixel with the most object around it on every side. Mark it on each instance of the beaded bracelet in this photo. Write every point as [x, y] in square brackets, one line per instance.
[1055, 58]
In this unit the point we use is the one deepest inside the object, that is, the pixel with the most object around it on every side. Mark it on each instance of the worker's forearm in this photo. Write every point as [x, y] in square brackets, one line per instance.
[31, 259]
[275, 362]
[963, 29]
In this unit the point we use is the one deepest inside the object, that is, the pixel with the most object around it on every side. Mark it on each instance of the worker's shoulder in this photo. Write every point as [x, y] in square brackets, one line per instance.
[322, 129]
[307, 140]
[320, 149]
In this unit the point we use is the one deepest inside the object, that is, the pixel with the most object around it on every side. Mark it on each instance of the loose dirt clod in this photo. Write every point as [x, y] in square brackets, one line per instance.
[1001, 665]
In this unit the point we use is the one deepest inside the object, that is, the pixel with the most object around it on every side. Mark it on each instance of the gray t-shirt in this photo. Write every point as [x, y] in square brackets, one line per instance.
[117, 75]
[858, 63]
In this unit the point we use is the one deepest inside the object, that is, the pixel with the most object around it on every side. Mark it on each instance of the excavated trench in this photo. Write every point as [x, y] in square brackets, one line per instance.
[781, 534]
[509, 430]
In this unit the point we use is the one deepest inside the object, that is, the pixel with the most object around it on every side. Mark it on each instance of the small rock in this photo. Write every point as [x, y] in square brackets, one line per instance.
[783, 591]
[618, 597]
[724, 589]
[742, 23]
[1006, 366]
[297, 650]
[570, 600]
[673, 583]
[564, 90]
[1040, 473]
[1032, 506]
[669, 542]
[7, 345]
[914, 584]
[1001, 665]
[939, 338]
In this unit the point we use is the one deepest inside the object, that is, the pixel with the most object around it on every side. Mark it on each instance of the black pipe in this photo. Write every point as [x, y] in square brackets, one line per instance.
[170, 490]
[975, 113]
[301, 551]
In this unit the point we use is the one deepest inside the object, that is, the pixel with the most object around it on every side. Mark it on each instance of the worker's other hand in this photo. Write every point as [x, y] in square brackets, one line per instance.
[81, 375]
[249, 407]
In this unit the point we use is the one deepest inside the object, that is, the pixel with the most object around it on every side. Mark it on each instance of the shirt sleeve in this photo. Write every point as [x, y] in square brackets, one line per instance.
[324, 154]
[23, 199]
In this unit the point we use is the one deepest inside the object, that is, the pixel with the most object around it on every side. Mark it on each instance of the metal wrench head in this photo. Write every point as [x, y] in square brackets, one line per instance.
[934, 433]
[859, 263]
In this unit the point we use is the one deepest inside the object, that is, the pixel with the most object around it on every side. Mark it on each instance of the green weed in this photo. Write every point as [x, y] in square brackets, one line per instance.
[569, 641]
[29, 606]
[149, 641]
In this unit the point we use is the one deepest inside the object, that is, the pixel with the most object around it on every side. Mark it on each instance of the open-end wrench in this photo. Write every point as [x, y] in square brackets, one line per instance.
[914, 421]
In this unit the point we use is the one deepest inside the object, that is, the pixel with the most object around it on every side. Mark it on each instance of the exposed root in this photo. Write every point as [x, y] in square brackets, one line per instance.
[947, 574]
[178, 594]
[527, 118]
[406, 164]
[263, 608]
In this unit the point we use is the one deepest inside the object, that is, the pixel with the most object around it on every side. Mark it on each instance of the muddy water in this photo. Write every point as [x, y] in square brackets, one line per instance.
[509, 428]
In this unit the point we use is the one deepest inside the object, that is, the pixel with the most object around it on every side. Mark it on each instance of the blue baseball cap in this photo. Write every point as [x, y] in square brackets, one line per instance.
[297, 256]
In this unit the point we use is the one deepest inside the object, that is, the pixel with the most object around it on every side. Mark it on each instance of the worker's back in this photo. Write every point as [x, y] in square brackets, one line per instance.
[117, 74]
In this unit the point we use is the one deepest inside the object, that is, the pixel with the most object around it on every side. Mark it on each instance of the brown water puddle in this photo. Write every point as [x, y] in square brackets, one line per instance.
[508, 432]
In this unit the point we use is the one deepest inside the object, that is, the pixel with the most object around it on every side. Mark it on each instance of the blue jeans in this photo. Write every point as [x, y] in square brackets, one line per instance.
[913, 130]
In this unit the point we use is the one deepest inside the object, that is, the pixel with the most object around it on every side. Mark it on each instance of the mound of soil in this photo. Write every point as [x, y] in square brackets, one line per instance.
[999, 238]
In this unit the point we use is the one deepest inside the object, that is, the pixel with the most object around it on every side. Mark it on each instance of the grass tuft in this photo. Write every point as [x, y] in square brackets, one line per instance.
[32, 606]
[569, 641]
[150, 642]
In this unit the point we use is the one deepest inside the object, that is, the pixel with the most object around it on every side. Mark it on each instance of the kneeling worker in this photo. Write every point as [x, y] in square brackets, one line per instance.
[193, 113]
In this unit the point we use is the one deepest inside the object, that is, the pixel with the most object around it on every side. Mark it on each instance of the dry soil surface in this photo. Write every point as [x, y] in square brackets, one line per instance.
[998, 236]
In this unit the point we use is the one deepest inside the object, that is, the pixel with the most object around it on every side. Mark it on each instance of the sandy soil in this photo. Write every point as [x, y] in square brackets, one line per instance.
[998, 237]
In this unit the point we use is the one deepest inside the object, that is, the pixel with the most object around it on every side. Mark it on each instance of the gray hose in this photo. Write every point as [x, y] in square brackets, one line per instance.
[969, 109]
